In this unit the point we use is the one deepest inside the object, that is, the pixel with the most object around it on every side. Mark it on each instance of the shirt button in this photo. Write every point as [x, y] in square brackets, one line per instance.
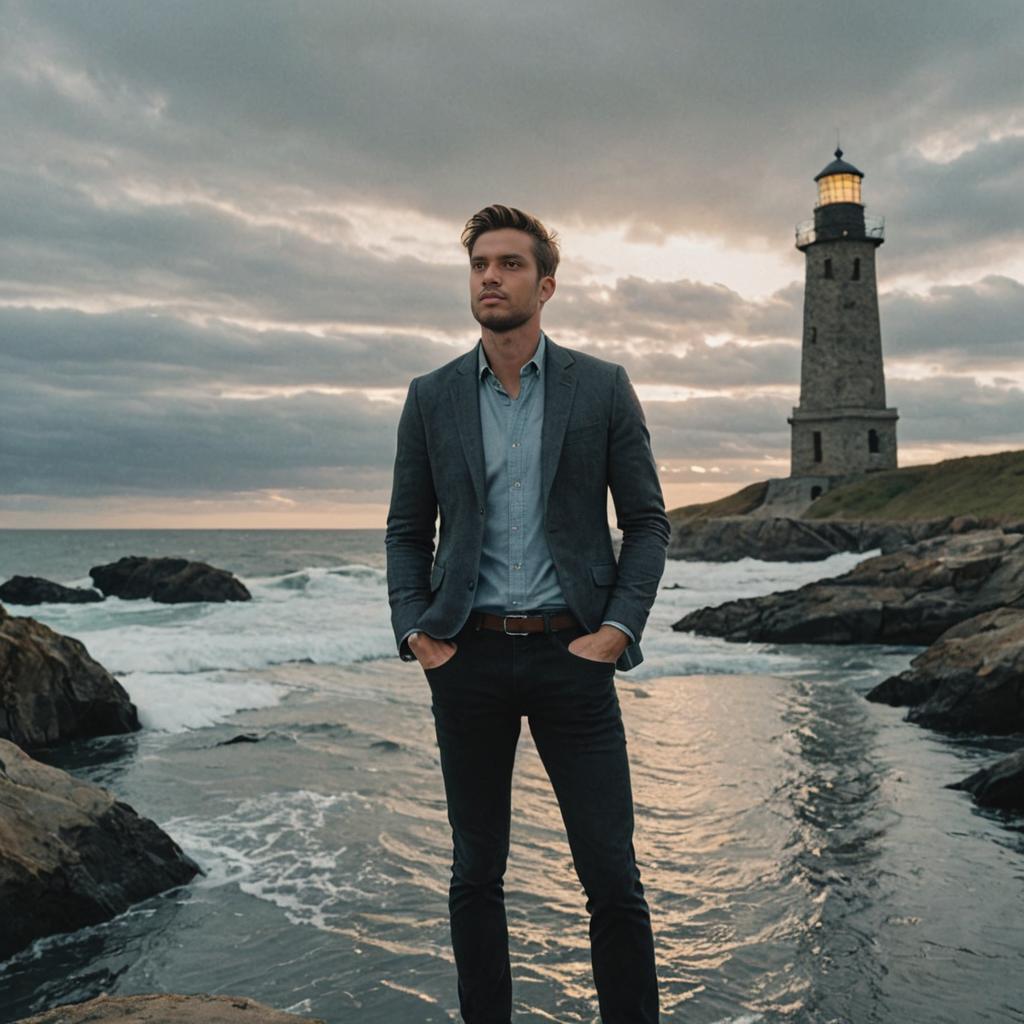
[470, 585]
[515, 444]
[515, 528]
[516, 484]
[516, 566]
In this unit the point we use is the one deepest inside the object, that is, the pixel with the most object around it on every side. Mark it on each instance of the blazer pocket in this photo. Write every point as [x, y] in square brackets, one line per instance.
[605, 574]
[436, 575]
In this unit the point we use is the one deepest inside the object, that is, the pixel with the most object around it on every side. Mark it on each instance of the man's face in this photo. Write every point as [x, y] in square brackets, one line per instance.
[504, 288]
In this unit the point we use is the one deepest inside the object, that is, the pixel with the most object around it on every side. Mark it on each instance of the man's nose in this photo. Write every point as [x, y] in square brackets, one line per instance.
[492, 274]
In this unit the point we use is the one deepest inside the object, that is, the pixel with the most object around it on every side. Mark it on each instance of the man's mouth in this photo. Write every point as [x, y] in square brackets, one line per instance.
[490, 295]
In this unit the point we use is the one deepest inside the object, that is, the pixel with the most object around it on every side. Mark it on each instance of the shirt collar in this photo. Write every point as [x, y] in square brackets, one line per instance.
[537, 360]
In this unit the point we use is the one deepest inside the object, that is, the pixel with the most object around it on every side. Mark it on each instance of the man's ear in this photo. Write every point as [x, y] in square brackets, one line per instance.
[547, 288]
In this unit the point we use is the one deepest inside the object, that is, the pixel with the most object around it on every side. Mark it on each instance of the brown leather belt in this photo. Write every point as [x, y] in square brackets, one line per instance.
[519, 624]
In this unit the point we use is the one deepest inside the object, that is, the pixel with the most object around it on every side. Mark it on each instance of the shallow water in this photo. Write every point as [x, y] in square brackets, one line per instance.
[802, 859]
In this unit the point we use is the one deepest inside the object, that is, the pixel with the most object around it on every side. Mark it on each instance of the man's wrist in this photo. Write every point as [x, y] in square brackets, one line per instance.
[617, 636]
[628, 633]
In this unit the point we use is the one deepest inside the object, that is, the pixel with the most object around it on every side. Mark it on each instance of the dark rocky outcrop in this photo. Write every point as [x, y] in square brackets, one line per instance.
[910, 596]
[167, 1008]
[36, 590]
[792, 539]
[51, 690]
[71, 854]
[1000, 785]
[970, 680]
[167, 580]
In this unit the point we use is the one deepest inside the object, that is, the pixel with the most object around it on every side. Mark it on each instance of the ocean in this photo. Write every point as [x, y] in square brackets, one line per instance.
[802, 860]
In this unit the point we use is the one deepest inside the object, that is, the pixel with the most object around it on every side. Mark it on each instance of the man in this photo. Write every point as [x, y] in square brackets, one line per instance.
[524, 610]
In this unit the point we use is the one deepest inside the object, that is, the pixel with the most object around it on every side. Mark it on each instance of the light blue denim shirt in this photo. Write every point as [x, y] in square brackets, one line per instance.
[517, 572]
[516, 568]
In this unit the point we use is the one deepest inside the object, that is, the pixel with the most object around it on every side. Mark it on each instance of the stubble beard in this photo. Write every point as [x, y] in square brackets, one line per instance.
[501, 323]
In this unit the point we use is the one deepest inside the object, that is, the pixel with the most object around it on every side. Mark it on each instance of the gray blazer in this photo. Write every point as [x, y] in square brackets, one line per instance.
[594, 438]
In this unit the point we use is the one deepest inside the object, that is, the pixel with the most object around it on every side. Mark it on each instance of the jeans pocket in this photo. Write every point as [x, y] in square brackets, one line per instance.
[563, 637]
[445, 664]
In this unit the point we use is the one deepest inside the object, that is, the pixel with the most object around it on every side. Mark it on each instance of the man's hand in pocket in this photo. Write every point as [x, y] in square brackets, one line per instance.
[431, 652]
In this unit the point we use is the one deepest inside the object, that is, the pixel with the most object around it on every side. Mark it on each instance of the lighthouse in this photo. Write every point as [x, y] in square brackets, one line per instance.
[842, 427]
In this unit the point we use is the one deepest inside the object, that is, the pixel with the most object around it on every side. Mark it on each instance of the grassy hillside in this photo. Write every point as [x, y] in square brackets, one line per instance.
[738, 504]
[982, 485]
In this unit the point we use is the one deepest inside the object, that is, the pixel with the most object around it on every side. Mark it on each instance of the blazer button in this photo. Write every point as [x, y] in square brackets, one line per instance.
[471, 584]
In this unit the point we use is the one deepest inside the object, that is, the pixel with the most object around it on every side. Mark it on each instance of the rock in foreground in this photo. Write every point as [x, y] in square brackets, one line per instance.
[163, 1008]
[71, 854]
[910, 596]
[51, 690]
[36, 590]
[1000, 785]
[167, 580]
[970, 680]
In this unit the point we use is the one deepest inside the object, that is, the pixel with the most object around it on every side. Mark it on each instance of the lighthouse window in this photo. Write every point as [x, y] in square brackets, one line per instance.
[873, 441]
[817, 446]
[856, 269]
[828, 268]
[839, 188]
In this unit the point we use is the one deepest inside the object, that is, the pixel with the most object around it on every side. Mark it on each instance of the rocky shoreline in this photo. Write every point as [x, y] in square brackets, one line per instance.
[791, 539]
[960, 593]
[134, 577]
[71, 853]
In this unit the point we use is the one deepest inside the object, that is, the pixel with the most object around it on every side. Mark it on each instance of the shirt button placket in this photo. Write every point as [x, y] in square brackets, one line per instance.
[516, 589]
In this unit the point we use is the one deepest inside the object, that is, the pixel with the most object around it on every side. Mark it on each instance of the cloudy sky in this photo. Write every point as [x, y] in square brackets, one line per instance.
[230, 231]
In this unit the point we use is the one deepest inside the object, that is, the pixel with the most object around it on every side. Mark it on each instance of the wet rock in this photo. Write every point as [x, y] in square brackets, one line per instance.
[167, 580]
[910, 596]
[71, 854]
[51, 690]
[1000, 785]
[36, 590]
[970, 680]
[791, 539]
[242, 737]
[167, 1008]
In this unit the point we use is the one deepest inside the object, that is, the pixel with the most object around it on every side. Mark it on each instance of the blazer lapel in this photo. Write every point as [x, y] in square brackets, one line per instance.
[465, 395]
[559, 389]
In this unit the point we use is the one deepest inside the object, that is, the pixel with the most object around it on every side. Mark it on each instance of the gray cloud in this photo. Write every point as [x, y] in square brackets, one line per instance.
[985, 414]
[65, 443]
[685, 116]
[196, 259]
[139, 351]
[964, 328]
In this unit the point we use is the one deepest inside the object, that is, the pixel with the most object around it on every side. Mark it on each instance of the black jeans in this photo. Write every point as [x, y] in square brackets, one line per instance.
[479, 697]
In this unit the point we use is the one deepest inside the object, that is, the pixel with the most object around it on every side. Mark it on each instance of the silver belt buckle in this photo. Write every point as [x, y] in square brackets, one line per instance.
[504, 623]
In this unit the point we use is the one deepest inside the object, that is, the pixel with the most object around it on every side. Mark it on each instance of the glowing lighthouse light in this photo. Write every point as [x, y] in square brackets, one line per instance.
[839, 182]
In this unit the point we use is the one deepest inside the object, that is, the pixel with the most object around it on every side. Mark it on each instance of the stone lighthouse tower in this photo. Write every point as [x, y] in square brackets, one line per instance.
[842, 427]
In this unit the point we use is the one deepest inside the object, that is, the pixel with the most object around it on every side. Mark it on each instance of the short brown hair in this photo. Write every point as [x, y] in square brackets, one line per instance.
[495, 217]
